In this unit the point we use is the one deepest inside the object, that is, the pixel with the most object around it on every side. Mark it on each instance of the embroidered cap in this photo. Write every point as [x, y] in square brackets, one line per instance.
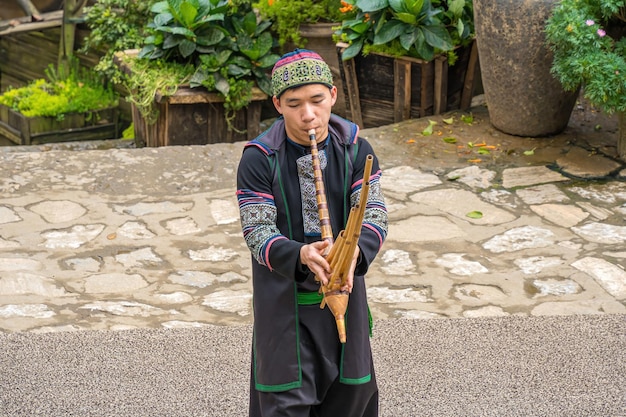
[298, 68]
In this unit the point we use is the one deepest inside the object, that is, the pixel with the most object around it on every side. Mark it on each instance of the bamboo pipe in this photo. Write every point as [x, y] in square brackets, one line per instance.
[355, 218]
[355, 226]
[340, 252]
[350, 236]
[320, 193]
[337, 301]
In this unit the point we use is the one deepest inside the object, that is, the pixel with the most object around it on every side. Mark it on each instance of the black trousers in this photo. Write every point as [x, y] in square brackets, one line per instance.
[321, 394]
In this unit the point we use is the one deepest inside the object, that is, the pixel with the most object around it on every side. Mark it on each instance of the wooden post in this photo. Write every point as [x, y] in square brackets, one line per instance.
[352, 85]
[402, 90]
[440, 92]
[30, 9]
[71, 13]
[470, 79]
[621, 138]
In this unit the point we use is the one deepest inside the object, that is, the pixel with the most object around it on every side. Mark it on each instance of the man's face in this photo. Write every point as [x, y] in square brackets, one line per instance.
[304, 108]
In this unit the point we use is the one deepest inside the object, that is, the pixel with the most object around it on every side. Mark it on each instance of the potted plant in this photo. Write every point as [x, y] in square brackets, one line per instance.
[290, 16]
[115, 25]
[200, 73]
[419, 53]
[112, 26]
[71, 104]
[588, 41]
[522, 97]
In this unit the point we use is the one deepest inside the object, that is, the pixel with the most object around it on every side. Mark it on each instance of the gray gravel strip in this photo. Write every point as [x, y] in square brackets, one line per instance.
[503, 366]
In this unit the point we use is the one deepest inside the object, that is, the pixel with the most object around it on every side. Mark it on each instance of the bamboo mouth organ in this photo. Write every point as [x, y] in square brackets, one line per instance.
[340, 252]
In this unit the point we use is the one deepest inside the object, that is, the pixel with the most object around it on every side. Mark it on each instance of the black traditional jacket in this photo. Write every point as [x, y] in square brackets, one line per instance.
[276, 196]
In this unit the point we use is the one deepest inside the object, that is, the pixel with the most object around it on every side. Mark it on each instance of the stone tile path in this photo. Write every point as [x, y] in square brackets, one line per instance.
[133, 238]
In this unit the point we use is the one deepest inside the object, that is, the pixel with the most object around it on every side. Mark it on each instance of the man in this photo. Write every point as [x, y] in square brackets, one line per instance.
[299, 367]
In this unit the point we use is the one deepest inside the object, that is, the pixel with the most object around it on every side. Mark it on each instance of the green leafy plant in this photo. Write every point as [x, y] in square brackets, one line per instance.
[216, 44]
[588, 41]
[288, 15]
[416, 28]
[115, 25]
[146, 79]
[74, 90]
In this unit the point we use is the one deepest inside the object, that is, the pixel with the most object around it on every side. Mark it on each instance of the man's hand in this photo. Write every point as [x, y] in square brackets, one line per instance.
[350, 278]
[312, 255]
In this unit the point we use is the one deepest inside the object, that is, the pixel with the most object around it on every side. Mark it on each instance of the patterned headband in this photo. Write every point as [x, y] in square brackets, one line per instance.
[298, 68]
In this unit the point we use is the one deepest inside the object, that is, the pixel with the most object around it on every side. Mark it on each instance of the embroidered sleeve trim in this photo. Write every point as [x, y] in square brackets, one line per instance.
[258, 222]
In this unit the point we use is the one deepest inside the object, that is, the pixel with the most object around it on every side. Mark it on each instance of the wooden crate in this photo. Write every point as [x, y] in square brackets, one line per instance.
[22, 130]
[193, 116]
[381, 89]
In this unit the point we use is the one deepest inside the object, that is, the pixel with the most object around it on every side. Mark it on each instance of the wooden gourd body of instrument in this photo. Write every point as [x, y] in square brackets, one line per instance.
[340, 252]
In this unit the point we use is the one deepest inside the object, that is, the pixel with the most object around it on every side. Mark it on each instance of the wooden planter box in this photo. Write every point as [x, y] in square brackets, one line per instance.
[193, 116]
[22, 130]
[382, 90]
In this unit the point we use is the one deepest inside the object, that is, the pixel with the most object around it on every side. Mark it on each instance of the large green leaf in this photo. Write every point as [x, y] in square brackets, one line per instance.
[408, 18]
[407, 39]
[262, 26]
[268, 61]
[390, 31]
[352, 50]
[177, 30]
[160, 7]
[246, 46]
[456, 7]
[249, 23]
[174, 7]
[361, 27]
[213, 62]
[188, 13]
[186, 47]
[171, 41]
[369, 6]
[221, 84]
[264, 44]
[255, 49]
[265, 85]
[146, 51]
[460, 28]
[413, 7]
[163, 19]
[438, 37]
[241, 61]
[424, 50]
[211, 36]
[198, 78]
[237, 71]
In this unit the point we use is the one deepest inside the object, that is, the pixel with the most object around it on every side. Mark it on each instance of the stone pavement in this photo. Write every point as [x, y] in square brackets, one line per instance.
[135, 238]
[482, 225]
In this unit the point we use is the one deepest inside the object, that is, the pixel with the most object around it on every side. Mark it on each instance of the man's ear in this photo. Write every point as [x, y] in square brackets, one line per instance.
[333, 94]
[276, 102]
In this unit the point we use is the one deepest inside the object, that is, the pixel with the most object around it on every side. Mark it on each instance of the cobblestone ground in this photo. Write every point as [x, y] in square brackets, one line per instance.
[481, 224]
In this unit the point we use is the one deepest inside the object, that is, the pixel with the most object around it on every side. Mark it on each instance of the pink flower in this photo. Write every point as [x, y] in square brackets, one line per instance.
[590, 22]
[601, 33]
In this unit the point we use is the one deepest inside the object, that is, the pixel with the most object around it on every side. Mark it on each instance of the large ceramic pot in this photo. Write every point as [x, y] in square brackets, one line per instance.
[523, 98]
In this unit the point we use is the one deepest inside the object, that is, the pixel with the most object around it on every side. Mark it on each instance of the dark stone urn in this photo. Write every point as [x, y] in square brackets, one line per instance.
[522, 97]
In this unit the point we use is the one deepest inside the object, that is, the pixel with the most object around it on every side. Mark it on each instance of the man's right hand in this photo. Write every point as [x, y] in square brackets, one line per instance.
[312, 255]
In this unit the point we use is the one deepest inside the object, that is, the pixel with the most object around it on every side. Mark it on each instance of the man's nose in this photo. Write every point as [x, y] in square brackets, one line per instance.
[307, 112]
